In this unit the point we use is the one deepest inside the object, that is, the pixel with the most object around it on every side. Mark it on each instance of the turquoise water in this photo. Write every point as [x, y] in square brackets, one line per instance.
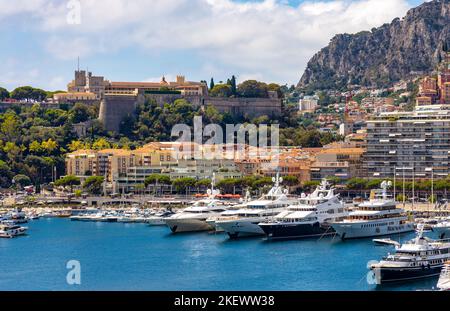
[116, 256]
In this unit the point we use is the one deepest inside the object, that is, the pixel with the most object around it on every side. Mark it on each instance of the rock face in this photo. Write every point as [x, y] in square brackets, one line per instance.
[399, 50]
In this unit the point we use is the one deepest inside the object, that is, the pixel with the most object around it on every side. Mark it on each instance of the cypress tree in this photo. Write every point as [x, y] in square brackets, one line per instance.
[233, 85]
[211, 85]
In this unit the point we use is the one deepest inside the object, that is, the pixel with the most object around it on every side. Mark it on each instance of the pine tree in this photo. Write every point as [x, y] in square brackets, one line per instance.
[211, 85]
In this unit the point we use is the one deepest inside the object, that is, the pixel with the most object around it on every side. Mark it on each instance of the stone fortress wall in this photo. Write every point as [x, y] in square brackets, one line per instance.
[114, 108]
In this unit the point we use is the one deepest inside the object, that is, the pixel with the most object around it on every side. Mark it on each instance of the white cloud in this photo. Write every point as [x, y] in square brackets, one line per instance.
[267, 39]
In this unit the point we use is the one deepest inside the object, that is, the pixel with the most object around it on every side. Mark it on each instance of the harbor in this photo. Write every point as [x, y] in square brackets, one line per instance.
[212, 243]
[116, 256]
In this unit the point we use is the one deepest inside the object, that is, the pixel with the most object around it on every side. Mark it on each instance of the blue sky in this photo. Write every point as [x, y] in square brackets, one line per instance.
[141, 40]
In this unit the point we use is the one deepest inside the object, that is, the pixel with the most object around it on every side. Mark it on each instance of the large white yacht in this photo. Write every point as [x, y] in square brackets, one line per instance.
[442, 228]
[375, 217]
[244, 221]
[419, 258]
[229, 212]
[444, 278]
[193, 218]
[310, 216]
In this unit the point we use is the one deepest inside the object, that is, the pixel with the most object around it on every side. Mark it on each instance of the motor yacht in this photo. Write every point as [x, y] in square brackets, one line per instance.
[11, 231]
[419, 258]
[310, 216]
[376, 217]
[442, 228]
[193, 218]
[244, 221]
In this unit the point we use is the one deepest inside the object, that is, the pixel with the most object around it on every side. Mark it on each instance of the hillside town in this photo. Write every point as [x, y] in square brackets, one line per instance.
[380, 140]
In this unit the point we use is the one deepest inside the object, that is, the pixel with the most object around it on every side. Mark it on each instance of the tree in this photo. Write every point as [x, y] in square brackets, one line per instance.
[290, 180]
[3, 93]
[275, 88]
[35, 147]
[253, 88]
[211, 84]
[334, 180]
[310, 185]
[93, 184]
[5, 174]
[101, 144]
[183, 184]
[221, 90]
[233, 85]
[10, 128]
[401, 198]
[78, 145]
[69, 180]
[373, 184]
[203, 183]
[262, 182]
[21, 180]
[213, 115]
[227, 185]
[157, 179]
[28, 93]
[356, 183]
[49, 146]
[80, 113]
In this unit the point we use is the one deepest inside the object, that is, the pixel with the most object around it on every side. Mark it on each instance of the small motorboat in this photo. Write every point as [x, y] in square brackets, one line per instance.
[11, 231]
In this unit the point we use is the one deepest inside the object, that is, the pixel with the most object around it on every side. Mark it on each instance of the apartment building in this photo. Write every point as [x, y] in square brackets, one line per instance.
[416, 142]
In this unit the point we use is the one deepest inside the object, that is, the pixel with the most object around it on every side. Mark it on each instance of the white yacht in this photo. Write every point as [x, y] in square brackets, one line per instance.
[158, 218]
[230, 211]
[376, 217]
[11, 231]
[193, 218]
[442, 228]
[18, 217]
[419, 258]
[310, 216]
[444, 279]
[244, 221]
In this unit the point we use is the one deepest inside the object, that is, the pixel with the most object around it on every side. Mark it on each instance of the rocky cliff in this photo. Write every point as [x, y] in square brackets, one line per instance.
[404, 48]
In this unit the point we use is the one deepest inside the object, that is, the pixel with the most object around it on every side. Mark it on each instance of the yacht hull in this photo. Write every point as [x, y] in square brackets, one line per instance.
[213, 224]
[286, 230]
[188, 225]
[398, 274]
[443, 232]
[157, 221]
[354, 231]
[241, 228]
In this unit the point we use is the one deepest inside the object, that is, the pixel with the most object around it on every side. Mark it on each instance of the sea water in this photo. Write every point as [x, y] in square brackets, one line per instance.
[117, 256]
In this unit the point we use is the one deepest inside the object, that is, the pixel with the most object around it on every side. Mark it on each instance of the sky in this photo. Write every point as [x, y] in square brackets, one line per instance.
[142, 40]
